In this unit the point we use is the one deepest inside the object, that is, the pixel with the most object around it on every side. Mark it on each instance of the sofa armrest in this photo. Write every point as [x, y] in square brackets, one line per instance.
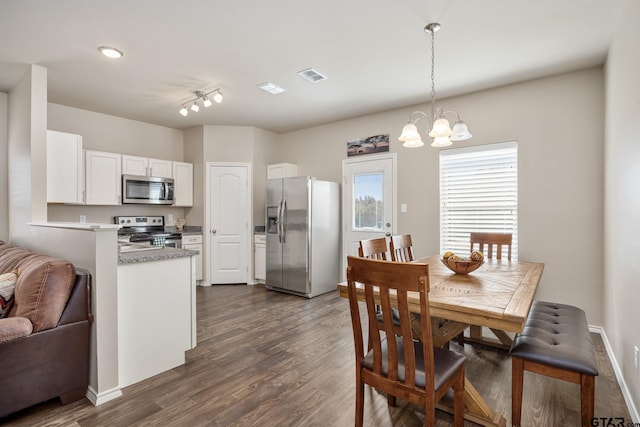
[78, 306]
[14, 327]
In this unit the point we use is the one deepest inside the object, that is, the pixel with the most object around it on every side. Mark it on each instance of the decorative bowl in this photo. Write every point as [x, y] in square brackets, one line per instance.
[463, 266]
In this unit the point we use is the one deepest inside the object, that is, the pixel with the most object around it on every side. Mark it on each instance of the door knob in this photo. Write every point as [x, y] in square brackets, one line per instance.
[387, 234]
[214, 231]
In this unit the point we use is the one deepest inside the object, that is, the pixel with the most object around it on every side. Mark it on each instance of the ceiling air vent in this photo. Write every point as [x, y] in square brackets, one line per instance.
[273, 89]
[312, 75]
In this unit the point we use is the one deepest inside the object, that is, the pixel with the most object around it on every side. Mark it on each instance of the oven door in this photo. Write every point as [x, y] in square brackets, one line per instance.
[173, 243]
[147, 190]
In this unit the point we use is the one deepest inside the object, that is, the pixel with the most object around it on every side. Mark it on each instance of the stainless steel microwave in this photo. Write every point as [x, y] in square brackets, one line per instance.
[153, 190]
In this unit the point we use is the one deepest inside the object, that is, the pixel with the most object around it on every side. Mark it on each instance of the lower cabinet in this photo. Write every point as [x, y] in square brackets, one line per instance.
[260, 257]
[194, 242]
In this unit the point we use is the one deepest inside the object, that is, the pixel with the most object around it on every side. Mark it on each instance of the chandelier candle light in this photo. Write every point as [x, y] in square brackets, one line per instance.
[439, 129]
[205, 101]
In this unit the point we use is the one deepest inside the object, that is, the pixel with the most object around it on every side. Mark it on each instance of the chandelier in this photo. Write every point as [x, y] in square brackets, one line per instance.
[204, 96]
[438, 126]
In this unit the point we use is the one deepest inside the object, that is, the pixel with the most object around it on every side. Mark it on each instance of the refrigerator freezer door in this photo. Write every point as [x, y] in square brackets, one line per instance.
[295, 250]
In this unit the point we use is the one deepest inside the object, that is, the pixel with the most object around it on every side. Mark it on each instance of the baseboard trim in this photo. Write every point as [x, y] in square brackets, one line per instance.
[104, 397]
[616, 369]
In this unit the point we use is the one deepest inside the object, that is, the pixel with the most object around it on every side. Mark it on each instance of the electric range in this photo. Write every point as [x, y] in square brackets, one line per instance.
[147, 229]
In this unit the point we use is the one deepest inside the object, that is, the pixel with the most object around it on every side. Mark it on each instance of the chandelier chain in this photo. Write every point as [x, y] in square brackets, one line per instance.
[433, 79]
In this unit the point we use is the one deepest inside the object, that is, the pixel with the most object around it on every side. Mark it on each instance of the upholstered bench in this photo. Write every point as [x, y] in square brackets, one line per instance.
[555, 342]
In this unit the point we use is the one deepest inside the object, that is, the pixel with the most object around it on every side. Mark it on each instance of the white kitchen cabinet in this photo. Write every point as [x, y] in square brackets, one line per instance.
[65, 179]
[260, 257]
[103, 180]
[281, 170]
[135, 165]
[183, 184]
[160, 168]
[194, 242]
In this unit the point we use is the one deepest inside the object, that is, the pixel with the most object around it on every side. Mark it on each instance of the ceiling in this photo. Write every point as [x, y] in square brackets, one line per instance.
[374, 52]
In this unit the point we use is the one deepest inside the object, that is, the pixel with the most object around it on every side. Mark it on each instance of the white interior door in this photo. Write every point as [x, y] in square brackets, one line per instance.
[228, 254]
[368, 200]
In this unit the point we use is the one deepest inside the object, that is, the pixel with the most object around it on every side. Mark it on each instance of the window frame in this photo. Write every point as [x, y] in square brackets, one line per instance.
[468, 174]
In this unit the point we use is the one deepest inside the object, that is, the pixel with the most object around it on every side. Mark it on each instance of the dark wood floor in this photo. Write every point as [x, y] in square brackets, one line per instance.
[271, 359]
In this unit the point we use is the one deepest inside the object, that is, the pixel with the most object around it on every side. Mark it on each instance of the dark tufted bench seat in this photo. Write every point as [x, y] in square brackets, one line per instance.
[555, 342]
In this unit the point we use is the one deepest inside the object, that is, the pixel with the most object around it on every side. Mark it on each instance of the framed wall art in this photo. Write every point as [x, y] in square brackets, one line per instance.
[371, 144]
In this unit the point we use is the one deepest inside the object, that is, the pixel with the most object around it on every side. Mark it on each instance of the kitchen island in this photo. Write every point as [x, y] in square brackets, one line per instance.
[156, 310]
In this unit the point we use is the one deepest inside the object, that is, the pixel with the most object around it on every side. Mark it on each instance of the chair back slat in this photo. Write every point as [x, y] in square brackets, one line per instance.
[374, 339]
[488, 240]
[373, 248]
[401, 248]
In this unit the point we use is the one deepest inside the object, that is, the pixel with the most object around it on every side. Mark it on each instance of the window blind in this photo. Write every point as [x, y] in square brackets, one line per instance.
[478, 192]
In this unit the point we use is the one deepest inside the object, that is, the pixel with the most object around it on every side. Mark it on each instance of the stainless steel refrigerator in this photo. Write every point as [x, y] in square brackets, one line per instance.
[303, 232]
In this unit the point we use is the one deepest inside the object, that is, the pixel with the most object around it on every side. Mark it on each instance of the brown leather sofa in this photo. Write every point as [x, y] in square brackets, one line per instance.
[44, 340]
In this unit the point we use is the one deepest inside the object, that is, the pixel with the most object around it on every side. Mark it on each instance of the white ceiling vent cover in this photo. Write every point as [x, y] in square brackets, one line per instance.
[312, 75]
[272, 88]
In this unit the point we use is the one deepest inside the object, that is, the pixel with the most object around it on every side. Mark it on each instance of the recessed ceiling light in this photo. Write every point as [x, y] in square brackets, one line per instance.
[111, 52]
[271, 88]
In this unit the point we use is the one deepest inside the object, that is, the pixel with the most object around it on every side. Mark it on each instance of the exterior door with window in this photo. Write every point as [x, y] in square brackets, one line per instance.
[368, 200]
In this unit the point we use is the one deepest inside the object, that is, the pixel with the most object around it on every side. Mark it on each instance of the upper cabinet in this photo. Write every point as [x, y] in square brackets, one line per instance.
[183, 184]
[65, 178]
[281, 170]
[103, 178]
[134, 165]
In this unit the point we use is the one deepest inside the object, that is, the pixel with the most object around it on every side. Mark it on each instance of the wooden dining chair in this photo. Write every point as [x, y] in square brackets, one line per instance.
[373, 248]
[489, 240]
[398, 365]
[401, 248]
[485, 243]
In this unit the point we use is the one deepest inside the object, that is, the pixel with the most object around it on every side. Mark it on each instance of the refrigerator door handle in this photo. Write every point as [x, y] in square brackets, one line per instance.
[284, 220]
[279, 221]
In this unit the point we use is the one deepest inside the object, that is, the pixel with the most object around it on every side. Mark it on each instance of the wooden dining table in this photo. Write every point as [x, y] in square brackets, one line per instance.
[498, 295]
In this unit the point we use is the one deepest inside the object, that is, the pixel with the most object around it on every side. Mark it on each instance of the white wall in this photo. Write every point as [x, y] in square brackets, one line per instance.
[193, 153]
[27, 139]
[230, 144]
[117, 135]
[4, 166]
[622, 201]
[558, 123]
[264, 153]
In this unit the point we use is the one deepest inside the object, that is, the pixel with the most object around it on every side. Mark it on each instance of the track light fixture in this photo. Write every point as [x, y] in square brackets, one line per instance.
[217, 97]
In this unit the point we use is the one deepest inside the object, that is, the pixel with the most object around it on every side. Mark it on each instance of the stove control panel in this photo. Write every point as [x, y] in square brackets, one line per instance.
[139, 221]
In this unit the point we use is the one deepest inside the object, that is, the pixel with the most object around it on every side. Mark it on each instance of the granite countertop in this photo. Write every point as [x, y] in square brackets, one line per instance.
[192, 229]
[159, 254]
